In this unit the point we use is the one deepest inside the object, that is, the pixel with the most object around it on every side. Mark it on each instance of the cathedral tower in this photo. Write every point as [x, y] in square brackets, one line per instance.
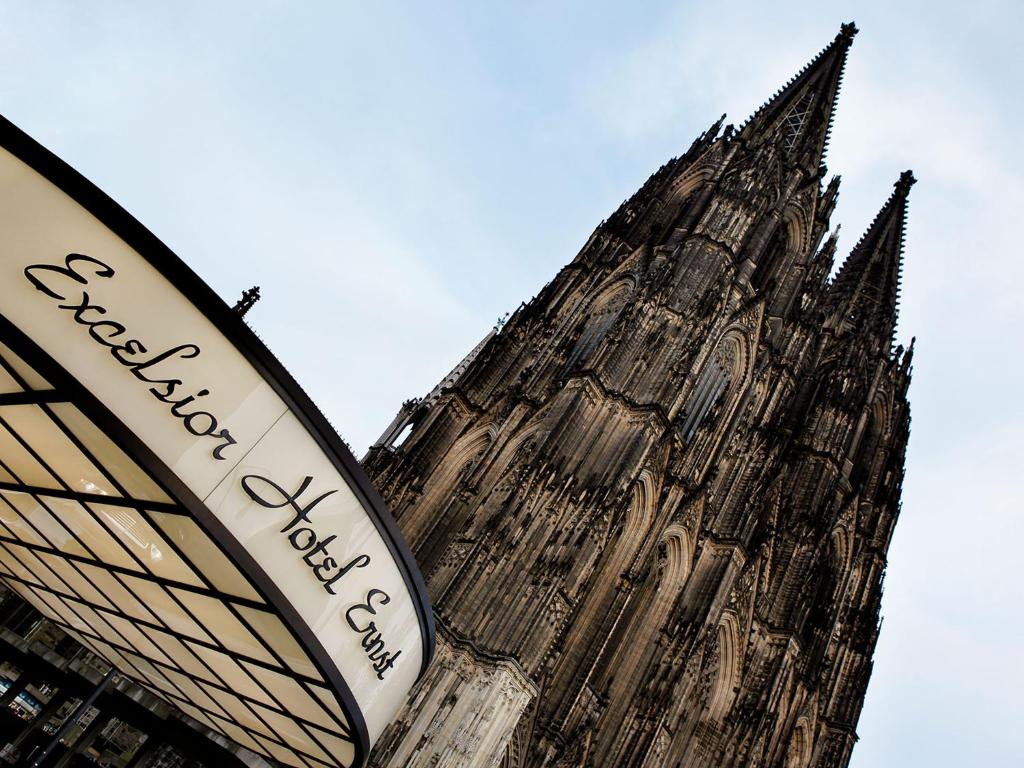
[653, 508]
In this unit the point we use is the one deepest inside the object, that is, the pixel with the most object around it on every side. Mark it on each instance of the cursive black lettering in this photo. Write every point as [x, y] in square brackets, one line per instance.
[372, 640]
[84, 305]
[286, 499]
[169, 386]
[77, 271]
[295, 535]
[361, 561]
[218, 452]
[94, 331]
[184, 351]
[328, 564]
[299, 529]
[132, 347]
[32, 273]
[319, 549]
[178, 404]
[367, 607]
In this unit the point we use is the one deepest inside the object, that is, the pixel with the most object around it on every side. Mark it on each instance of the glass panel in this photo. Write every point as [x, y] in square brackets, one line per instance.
[277, 636]
[104, 546]
[107, 583]
[155, 597]
[22, 463]
[315, 756]
[242, 737]
[151, 673]
[192, 692]
[160, 684]
[15, 565]
[30, 560]
[197, 714]
[204, 554]
[7, 566]
[136, 640]
[31, 596]
[33, 379]
[181, 654]
[108, 653]
[131, 477]
[89, 644]
[223, 625]
[279, 753]
[16, 524]
[235, 709]
[289, 731]
[75, 581]
[7, 383]
[293, 697]
[232, 675]
[37, 429]
[147, 545]
[40, 518]
[342, 751]
[97, 623]
[122, 661]
[62, 611]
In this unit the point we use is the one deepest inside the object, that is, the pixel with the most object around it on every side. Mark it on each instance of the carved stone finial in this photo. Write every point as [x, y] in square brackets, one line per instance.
[249, 298]
[906, 181]
[847, 32]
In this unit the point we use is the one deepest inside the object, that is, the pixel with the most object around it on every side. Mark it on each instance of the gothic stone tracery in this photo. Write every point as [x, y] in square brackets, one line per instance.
[653, 509]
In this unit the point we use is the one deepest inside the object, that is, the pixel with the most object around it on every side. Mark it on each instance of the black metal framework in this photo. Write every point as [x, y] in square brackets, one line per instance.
[97, 544]
[120, 703]
[93, 594]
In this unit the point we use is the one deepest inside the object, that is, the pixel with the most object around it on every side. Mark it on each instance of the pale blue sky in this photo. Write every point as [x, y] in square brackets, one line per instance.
[396, 176]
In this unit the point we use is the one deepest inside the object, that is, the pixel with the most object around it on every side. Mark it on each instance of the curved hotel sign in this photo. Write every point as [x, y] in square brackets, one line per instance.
[170, 496]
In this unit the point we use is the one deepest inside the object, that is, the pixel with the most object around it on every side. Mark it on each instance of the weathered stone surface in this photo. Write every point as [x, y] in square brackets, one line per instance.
[653, 508]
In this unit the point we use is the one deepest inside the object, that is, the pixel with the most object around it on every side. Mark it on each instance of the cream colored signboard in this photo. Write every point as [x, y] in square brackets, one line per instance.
[119, 324]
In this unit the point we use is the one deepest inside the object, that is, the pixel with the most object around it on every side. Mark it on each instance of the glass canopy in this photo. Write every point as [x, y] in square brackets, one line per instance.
[96, 544]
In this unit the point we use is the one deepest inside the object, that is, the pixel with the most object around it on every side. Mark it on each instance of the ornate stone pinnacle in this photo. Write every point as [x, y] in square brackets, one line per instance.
[906, 181]
[249, 298]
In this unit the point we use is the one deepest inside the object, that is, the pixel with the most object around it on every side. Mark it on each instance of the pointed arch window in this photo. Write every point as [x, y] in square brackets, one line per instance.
[726, 679]
[798, 753]
[864, 455]
[710, 390]
[602, 317]
[772, 258]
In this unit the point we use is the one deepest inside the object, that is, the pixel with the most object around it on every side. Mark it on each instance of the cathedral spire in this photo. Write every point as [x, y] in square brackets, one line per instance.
[865, 294]
[799, 116]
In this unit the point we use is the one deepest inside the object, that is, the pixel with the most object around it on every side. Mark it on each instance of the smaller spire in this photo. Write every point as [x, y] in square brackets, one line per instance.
[707, 137]
[716, 126]
[833, 236]
[832, 243]
[865, 294]
[908, 355]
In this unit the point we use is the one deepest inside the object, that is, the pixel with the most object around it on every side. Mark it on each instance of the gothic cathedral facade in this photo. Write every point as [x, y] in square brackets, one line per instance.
[653, 509]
